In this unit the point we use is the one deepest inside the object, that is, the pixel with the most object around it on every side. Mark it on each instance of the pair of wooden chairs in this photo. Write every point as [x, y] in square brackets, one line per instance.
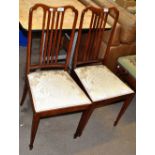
[55, 90]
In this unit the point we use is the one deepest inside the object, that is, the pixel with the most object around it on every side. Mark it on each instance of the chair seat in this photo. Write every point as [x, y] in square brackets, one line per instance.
[129, 64]
[55, 89]
[101, 83]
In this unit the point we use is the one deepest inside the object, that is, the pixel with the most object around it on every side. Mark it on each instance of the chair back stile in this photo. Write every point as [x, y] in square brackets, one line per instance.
[114, 13]
[51, 37]
[95, 34]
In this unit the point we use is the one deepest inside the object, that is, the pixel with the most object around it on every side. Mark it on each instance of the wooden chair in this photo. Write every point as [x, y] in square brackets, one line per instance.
[51, 88]
[98, 82]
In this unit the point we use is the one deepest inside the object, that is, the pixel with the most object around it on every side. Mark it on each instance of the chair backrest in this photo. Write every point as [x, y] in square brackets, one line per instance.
[51, 38]
[94, 35]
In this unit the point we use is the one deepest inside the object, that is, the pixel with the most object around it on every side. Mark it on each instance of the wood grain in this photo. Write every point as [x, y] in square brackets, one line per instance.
[25, 5]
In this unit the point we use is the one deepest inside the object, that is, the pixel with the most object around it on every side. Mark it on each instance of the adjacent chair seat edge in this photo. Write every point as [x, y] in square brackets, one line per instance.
[129, 64]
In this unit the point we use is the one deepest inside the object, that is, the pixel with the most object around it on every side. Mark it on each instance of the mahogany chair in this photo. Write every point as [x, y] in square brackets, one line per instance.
[98, 82]
[52, 89]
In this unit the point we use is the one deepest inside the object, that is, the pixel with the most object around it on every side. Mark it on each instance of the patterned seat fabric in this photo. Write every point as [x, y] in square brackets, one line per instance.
[101, 83]
[55, 89]
[129, 64]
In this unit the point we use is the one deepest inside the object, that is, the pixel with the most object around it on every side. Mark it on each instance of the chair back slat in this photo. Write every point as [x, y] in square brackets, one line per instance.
[51, 35]
[50, 54]
[94, 36]
[46, 37]
[59, 37]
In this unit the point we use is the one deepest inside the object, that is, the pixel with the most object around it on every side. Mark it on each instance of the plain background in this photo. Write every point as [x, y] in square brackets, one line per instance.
[9, 77]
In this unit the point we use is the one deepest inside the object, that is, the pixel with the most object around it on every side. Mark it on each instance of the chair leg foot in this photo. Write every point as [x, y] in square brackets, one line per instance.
[30, 147]
[35, 124]
[123, 109]
[77, 134]
[24, 93]
[115, 123]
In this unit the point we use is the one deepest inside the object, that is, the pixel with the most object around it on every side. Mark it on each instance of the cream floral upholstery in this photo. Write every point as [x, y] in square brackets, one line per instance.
[101, 83]
[55, 89]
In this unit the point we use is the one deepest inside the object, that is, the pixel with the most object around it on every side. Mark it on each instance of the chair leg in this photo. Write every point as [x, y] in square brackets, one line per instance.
[123, 109]
[83, 121]
[35, 123]
[24, 93]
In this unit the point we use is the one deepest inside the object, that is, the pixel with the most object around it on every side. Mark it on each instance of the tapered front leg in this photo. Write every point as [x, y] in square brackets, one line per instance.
[83, 121]
[35, 124]
[124, 107]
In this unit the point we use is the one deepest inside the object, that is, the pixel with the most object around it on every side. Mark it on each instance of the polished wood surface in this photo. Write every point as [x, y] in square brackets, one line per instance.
[48, 59]
[88, 48]
[89, 55]
[25, 5]
[50, 45]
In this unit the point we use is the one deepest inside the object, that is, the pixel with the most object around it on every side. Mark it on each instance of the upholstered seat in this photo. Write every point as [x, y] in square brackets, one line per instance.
[101, 83]
[55, 89]
[129, 64]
